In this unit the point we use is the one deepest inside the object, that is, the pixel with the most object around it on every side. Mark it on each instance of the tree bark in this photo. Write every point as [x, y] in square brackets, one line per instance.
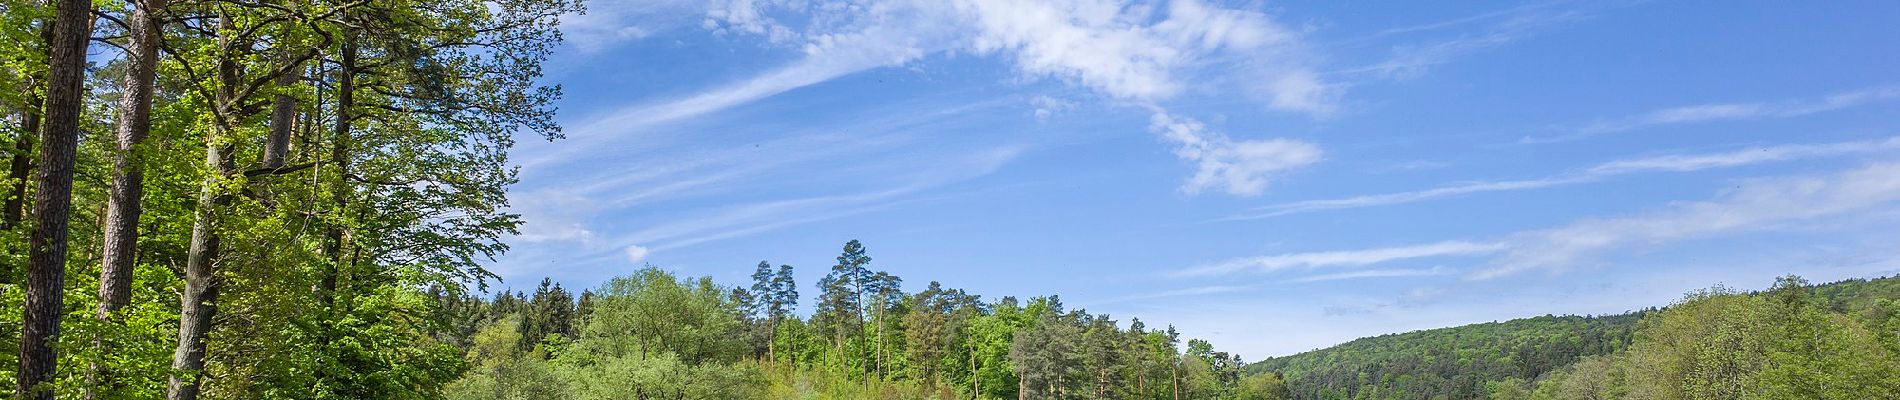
[21, 168]
[124, 205]
[52, 200]
[198, 303]
[128, 188]
[1022, 384]
[336, 238]
[283, 118]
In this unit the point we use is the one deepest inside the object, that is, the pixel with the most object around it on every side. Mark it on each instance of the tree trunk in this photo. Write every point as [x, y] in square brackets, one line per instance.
[198, 303]
[283, 118]
[123, 206]
[335, 240]
[976, 381]
[1175, 369]
[879, 358]
[52, 200]
[134, 122]
[1022, 385]
[21, 169]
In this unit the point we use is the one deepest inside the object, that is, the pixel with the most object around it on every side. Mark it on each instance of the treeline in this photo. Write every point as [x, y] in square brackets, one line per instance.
[1794, 341]
[1790, 342]
[652, 335]
[1453, 363]
[253, 198]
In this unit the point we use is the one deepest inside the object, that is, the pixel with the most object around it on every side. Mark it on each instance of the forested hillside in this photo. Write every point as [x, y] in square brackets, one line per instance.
[1836, 340]
[1450, 362]
[656, 335]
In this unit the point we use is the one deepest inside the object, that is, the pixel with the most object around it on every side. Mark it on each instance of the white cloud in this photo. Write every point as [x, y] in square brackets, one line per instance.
[1125, 49]
[609, 23]
[1752, 205]
[1141, 53]
[1049, 107]
[1412, 60]
[1241, 168]
[1346, 258]
[1193, 291]
[1665, 163]
[636, 253]
[1730, 111]
[1113, 47]
[750, 219]
[1372, 273]
[1405, 197]
[1693, 162]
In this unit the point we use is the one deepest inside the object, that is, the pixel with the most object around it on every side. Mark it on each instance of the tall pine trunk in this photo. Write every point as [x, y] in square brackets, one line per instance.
[123, 206]
[52, 200]
[128, 188]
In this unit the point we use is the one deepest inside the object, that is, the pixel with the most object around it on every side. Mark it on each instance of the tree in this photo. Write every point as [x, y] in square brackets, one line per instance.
[1267, 386]
[886, 293]
[772, 297]
[52, 201]
[1047, 356]
[550, 312]
[840, 313]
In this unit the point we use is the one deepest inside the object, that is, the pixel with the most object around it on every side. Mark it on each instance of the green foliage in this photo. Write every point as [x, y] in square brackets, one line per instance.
[1452, 362]
[332, 282]
[1793, 341]
[650, 335]
[653, 335]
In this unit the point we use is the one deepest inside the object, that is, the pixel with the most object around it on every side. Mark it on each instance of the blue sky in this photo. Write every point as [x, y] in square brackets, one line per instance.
[1272, 176]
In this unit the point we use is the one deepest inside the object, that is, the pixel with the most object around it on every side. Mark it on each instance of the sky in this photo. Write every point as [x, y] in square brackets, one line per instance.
[1274, 176]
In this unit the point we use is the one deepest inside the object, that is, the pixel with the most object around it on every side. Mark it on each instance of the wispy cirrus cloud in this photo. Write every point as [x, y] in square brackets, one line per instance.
[1134, 52]
[1339, 259]
[608, 24]
[1751, 205]
[1193, 291]
[1373, 273]
[1728, 112]
[1665, 163]
[1503, 27]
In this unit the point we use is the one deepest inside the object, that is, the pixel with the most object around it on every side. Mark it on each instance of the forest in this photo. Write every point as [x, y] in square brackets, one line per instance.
[253, 199]
[241, 199]
[235, 199]
[1837, 340]
[656, 335]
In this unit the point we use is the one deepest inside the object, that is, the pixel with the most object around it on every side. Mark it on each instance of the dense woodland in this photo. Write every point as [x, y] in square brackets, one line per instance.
[240, 199]
[252, 199]
[654, 335]
[1794, 341]
[294, 199]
